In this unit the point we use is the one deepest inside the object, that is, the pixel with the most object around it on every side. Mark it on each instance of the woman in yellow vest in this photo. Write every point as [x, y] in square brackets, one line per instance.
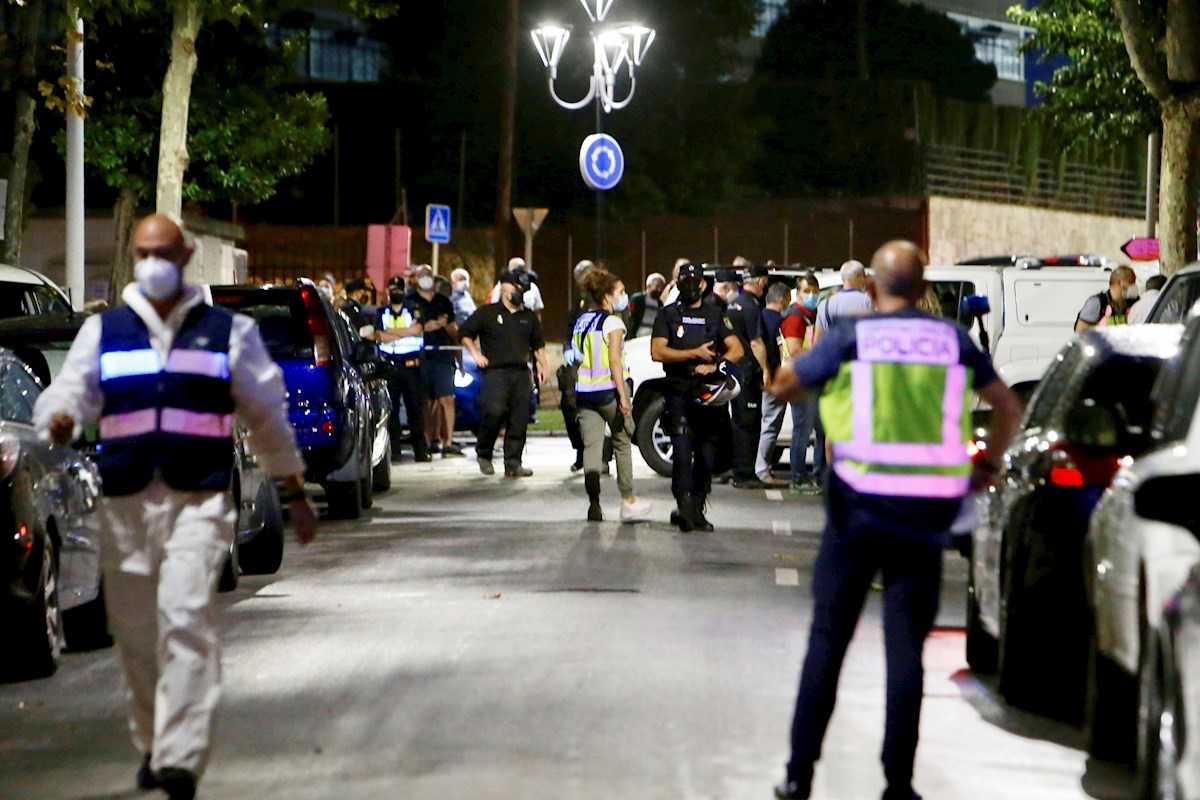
[602, 392]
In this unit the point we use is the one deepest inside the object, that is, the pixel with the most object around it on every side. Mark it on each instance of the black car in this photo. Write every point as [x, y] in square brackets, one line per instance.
[50, 564]
[1026, 589]
[329, 402]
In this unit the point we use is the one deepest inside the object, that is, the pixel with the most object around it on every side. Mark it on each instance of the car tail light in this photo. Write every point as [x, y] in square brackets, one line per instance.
[1073, 468]
[977, 449]
[318, 326]
[23, 540]
[10, 454]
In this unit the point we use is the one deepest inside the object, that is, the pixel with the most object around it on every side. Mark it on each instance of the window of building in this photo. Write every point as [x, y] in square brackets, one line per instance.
[337, 56]
[771, 11]
[997, 43]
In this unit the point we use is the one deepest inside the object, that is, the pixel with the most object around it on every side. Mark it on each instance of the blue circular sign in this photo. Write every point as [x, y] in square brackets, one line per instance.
[601, 162]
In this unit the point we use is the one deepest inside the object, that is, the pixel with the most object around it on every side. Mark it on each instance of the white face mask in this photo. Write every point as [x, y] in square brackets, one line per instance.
[425, 283]
[158, 278]
[621, 303]
[462, 286]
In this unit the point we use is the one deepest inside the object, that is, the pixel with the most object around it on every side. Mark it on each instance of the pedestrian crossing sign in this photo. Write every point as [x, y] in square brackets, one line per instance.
[437, 224]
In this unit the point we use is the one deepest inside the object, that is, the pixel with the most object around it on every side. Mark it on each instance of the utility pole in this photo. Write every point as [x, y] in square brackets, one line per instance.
[508, 124]
[76, 280]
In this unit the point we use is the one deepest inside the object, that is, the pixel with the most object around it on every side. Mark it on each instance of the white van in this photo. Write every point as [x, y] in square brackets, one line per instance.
[1033, 312]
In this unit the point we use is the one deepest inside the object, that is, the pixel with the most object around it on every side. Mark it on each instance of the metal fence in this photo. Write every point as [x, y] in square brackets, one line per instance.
[994, 176]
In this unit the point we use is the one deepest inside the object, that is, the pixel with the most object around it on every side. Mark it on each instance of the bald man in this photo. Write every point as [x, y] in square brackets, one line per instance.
[163, 377]
[895, 390]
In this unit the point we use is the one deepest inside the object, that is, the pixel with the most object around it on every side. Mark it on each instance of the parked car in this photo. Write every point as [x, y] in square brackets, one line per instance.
[1139, 549]
[25, 293]
[468, 378]
[1178, 297]
[374, 372]
[52, 594]
[1027, 613]
[329, 403]
[1169, 759]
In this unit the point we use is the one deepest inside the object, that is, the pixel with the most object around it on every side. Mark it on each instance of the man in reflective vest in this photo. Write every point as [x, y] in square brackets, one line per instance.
[896, 406]
[163, 376]
[401, 337]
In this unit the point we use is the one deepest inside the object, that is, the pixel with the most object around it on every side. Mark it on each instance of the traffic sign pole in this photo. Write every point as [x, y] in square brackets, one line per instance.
[436, 247]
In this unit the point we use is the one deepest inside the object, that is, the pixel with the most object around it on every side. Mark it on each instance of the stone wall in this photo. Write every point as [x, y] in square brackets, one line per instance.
[961, 229]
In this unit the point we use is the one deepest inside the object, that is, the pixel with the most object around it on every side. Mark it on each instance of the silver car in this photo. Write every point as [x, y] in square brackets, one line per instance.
[48, 497]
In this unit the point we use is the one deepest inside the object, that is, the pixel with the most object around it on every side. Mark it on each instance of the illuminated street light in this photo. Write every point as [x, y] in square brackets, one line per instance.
[615, 49]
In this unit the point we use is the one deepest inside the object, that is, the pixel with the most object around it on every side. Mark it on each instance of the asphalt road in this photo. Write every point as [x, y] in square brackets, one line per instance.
[475, 638]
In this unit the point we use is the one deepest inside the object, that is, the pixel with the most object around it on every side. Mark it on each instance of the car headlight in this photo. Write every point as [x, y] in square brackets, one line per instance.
[10, 454]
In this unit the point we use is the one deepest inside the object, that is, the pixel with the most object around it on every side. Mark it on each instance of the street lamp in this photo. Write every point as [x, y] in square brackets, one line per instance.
[613, 47]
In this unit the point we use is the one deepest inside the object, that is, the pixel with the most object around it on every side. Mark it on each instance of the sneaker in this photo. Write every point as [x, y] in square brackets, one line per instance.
[452, 451]
[486, 466]
[595, 513]
[147, 781]
[434, 448]
[517, 472]
[578, 465]
[749, 483]
[423, 459]
[790, 790]
[179, 784]
[638, 510]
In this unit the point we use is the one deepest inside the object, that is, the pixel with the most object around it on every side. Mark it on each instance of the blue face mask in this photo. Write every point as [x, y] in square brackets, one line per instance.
[621, 303]
[810, 301]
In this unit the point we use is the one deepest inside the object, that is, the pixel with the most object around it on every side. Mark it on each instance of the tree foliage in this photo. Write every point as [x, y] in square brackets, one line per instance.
[1095, 95]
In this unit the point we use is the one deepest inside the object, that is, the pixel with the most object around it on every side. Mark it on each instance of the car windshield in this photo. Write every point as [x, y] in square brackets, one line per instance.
[1114, 410]
[29, 299]
[280, 316]
[1177, 300]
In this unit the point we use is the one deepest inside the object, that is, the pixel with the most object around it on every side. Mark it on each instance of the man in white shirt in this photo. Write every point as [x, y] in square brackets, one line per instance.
[1142, 308]
[533, 297]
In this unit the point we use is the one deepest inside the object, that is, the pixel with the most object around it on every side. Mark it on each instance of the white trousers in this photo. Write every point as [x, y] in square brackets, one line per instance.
[162, 552]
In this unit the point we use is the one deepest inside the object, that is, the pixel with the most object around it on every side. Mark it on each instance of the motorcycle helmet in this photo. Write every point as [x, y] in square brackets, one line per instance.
[719, 388]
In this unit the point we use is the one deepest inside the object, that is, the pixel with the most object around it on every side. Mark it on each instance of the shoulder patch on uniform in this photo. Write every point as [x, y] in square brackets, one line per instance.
[728, 324]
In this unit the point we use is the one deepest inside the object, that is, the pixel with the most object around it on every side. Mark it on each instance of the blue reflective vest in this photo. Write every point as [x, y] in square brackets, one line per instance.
[174, 419]
[407, 347]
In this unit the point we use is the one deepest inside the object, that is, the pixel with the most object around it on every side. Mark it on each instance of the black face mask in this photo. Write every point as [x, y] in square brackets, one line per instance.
[689, 292]
[396, 296]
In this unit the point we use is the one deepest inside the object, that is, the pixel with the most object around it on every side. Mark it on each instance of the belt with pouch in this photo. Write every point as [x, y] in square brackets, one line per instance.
[408, 362]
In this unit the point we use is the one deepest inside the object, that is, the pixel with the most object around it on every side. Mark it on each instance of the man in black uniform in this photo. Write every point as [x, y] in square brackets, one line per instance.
[745, 312]
[500, 336]
[690, 339]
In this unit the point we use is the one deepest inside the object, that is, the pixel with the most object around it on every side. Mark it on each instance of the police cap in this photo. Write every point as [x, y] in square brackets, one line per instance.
[759, 271]
[727, 276]
[691, 271]
[517, 278]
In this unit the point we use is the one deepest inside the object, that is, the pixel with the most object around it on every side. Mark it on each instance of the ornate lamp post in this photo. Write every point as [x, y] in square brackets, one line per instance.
[618, 52]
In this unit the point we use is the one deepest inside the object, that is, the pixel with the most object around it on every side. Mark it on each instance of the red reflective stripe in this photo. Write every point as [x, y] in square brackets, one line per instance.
[194, 423]
[953, 454]
[941, 487]
[199, 362]
[132, 423]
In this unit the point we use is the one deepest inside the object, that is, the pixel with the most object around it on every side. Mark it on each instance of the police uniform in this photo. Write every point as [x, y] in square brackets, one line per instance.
[896, 406]
[164, 394]
[695, 429]
[507, 338]
[745, 313]
[405, 379]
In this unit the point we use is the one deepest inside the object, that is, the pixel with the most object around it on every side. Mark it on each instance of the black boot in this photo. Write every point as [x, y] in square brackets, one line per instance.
[146, 779]
[591, 481]
[179, 784]
[699, 506]
[682, 518]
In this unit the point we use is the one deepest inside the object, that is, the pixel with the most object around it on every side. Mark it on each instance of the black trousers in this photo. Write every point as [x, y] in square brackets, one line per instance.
[504, 401]
[746, 417]
[695, 431]
[570, 408]
[406, 385]
[912, 576]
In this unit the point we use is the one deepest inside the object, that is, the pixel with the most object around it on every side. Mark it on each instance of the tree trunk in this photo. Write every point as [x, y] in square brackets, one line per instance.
[24, 125]
[508, 123]
[1179, 186]
[177, 93]
[122, 265]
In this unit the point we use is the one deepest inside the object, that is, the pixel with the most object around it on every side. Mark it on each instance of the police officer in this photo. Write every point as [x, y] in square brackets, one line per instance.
[401, 335]
[899, 476]
[568, 372]
[745, 312]
[693, 340]
[500, 336]
[163, 376]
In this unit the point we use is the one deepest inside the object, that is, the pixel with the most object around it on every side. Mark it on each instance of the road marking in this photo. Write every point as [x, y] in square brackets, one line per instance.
[774, 494]
[781, 527]
[787, 577]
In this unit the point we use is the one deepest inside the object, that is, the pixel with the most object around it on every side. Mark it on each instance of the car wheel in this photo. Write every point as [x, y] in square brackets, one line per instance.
[263, 555]
[365, 495]
[381, 474]
[86, 626]
[344, 499]
[982, 648]
[230, 570]
[40, 639]
[1110, 712]
[652, 439]
[1017, 678]
[1160, 720]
